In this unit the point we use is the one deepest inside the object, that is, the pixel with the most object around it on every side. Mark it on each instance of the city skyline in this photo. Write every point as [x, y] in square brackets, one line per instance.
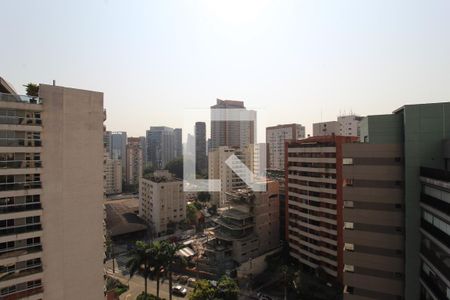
[322, 59]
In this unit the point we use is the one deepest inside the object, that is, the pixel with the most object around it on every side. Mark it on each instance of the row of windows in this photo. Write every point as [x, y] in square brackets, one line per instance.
[437, 222]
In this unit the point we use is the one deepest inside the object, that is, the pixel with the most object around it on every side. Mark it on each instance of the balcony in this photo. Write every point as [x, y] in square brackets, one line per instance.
[20, 120]
[23, 294]
[436, 203]
[20, 142]
[438, 174]
[20, 98]
[20, 207]
[24, 272]
[20, 186]
[20, 164]
[436, 233]
[15, 252]
[440, 263]
[21, 229]
[432, 285]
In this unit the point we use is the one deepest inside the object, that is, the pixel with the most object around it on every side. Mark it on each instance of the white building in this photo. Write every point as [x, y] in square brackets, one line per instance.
[51, 191]
[161, 201]
[275, 140]
[344, 126]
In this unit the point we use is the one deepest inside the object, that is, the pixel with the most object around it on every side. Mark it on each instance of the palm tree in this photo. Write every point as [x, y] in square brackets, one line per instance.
[141, 254]
[171, 258]
[158, 262]
[32, 89]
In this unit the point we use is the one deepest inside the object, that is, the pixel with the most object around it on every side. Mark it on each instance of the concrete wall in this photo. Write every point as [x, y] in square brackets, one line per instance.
[72, 177]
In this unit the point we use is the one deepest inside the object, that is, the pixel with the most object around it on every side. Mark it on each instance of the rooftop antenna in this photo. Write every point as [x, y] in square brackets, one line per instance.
[54, 82]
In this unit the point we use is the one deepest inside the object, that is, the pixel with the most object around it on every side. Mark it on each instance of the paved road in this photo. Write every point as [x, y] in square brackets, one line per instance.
[136, 283]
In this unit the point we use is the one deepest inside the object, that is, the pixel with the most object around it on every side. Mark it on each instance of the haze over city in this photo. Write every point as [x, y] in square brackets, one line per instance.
[153, 59]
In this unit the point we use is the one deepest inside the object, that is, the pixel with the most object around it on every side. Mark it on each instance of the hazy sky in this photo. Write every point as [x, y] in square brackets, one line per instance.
[300, 61]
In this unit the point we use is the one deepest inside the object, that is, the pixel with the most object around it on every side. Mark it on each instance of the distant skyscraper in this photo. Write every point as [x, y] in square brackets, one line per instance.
[143, 143]
[135, 160]
[107, 142]
[178, 142]
[232, 133]
[200, 146]
[276, 136]
[161, 142]
[118, 148]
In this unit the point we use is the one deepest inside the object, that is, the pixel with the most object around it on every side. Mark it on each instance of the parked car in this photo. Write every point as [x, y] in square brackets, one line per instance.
[183, 279]
[191, 282]
[179, 290]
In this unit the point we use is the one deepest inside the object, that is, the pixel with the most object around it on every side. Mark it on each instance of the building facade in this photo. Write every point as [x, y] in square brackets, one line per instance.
[344, 126]
[135, 160]
[201, 162]
[276, 136]
[373, 180]
[51, 194]
[246, 229]
[113, 176]
[161, 201]
[314, 202]
[231, 133]
[162, 145]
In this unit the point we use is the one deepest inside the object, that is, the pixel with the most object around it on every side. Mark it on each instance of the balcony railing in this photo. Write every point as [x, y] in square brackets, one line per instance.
[24, 272]
[433, 286]
[438, 204]
[18, 120]
[20, 164]
[436, 233]
[20, 98]
[438, 174]
[20, 207]
[21, 294]
[433, 258]
[20, 186]
[21, 229]
[14, 252]
[20, 142]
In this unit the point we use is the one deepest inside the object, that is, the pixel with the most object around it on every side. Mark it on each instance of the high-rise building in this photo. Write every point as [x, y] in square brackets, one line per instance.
[233, 133]
[135, 161]
[161, 201]
[51, 192]
[113, 176]
[276, 136]
[314, 199]
[421, 130]
[373, 221]
[200, 146]
[161, 143]
[344, 126]
[118, 149]
[143, 143]
[178, 142]
[107, 141]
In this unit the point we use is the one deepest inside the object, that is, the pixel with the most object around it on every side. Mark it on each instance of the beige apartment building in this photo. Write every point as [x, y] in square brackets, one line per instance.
[344, 126]
[51, 191]
[113, 176]
[373, 221]
[276, 136]
[134, 160]
[161, 201]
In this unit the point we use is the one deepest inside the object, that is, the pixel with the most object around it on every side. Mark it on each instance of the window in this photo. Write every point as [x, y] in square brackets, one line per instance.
[349, 247]
[349, 268]
[347, 161]
[348, 204]
[348, 225]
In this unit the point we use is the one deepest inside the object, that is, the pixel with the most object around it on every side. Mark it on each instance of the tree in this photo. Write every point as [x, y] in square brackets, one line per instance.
[191, 213]
[203, 196]
[148, 171]
[175, 167]
[227, 289]
[203, 291]
[171, 258]
[141, 254]
[159, 261]
[32, 89]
